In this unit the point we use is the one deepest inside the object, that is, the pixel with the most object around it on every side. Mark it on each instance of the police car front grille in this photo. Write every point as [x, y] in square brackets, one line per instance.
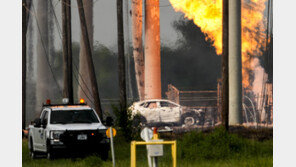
[70, 137]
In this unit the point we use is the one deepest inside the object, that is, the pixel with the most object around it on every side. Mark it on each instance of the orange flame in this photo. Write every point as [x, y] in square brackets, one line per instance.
[207, 14]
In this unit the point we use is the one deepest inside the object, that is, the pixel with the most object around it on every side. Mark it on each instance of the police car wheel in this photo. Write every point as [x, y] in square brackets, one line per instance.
[104, 152]
[104, 155]
[49, 155]
[32, 153]
[49, 152]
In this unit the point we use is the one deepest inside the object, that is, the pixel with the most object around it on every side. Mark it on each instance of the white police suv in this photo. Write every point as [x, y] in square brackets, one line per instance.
[63, 128]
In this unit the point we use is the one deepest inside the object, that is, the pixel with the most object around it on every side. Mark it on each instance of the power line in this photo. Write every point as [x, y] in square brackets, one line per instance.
[75, 65]
[55, 3]
[83, 90]
[56, 20]
[84, 5]
[77, 71]
[59, 32]
[46, 55]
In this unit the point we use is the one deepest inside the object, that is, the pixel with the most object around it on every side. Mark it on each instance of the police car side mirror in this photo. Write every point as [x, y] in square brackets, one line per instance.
[37, 122]
[109, 121]
[44, 123]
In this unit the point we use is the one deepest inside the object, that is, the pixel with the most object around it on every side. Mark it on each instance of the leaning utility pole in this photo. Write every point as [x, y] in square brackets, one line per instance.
[67, 50]
[24, 60]
[225, 79]
[235, 63]
[121, 61]
[137, 24]
[84, 90]
[91, 69]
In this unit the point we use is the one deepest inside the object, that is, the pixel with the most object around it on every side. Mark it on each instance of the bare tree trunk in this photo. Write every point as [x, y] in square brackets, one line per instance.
[67, 50]
[84, 90]
[69, 29]
[90, 65]
[152, 51]
[121, 61]
[137, 23]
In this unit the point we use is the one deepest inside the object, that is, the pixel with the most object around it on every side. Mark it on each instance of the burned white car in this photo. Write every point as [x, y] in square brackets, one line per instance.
[160, 111]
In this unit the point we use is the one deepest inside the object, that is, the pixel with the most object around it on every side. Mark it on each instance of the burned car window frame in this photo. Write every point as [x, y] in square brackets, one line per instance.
[171, 105]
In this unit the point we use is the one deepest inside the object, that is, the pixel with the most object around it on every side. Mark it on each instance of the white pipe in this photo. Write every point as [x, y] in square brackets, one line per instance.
[235, 64]
[112, 147]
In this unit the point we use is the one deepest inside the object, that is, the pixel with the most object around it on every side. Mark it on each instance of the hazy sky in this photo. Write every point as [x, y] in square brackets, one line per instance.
[105, 23]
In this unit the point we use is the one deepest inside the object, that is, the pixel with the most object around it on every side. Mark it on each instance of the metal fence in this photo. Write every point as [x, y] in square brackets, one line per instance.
[256, 109]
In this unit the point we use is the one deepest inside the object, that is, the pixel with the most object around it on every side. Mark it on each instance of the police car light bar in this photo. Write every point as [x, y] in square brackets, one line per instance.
[48, 101]
[81, 101]
[65, 100]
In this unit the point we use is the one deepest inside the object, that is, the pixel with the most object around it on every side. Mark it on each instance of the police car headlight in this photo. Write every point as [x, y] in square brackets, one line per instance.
[55, 134]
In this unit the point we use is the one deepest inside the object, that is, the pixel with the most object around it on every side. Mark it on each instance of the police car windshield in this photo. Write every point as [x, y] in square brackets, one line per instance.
[73, 116]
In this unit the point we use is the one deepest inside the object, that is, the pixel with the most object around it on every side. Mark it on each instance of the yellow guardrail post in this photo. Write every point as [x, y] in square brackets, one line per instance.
[174, 153]
[133, 154]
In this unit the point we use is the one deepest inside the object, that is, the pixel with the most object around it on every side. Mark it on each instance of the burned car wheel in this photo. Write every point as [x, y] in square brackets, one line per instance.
[139, 120]
[189, 119]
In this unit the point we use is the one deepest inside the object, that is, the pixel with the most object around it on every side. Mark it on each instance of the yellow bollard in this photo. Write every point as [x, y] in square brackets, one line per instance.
[174, 153]
[133, 154]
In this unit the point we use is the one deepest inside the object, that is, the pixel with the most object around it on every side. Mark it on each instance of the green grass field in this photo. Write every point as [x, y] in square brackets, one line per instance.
[216, 149]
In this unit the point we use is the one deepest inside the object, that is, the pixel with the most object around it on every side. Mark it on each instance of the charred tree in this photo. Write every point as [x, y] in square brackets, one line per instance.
[137, 31]
[84, 90]
[225, 79]
[67, 50]
[90, 65]
[121, 60]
